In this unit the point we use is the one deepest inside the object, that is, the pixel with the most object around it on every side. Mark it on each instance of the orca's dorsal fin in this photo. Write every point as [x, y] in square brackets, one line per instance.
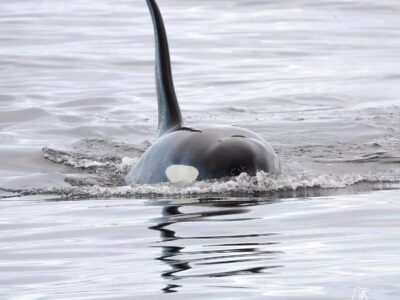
[169, 114]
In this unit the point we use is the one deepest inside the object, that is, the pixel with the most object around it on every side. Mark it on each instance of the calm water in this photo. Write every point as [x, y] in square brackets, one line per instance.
[319, 80]
[242, 248]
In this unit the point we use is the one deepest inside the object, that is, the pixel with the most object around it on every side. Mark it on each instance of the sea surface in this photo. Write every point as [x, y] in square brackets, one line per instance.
[319, 80]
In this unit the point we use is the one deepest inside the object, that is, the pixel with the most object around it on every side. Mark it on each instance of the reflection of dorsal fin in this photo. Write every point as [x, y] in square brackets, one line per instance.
[169, 114]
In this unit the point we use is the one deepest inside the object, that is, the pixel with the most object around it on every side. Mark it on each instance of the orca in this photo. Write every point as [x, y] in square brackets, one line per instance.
[185, 154]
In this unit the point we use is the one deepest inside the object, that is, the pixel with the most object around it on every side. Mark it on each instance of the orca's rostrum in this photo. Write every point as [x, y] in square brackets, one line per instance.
[182, 154]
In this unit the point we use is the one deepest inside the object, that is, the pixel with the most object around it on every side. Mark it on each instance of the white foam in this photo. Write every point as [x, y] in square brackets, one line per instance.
[127, 162]
[243, 184]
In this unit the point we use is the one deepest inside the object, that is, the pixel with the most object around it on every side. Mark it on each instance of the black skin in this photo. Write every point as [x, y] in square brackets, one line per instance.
[215, 151]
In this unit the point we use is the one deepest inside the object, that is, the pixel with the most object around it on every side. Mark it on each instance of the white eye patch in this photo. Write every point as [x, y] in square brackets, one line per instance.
[181, 173]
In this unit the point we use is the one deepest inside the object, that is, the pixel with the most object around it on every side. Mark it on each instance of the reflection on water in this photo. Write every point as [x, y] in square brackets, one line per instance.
[236, 248]
[233, 255]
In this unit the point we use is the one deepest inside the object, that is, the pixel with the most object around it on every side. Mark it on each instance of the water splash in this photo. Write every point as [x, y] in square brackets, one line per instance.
[244, 185]
[99, 167]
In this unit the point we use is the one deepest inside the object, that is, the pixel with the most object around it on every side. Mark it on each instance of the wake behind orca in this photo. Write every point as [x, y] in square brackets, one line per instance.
[182, 154]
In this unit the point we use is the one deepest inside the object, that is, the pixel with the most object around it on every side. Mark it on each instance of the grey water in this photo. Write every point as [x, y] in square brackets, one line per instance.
[320, 80]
